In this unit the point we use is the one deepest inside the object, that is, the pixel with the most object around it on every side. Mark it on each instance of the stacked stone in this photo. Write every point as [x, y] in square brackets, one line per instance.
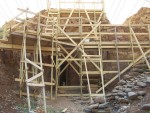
[130, 88]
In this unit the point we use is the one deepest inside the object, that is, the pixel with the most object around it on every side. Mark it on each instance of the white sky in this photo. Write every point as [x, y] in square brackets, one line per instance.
[116, 10]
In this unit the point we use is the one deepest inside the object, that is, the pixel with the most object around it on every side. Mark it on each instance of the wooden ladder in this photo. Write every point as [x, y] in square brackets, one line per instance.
[37, 78]
[95, 58]
[52, 19]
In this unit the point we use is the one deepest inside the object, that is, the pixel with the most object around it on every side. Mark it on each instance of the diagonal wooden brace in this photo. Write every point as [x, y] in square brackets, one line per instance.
[78, 46]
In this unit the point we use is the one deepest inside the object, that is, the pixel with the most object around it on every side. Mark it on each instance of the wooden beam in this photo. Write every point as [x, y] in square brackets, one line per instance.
[18, 47]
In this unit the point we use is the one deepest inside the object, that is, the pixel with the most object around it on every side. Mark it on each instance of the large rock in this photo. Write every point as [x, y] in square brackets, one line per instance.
[146, 107]
[141, 84]
[132, 95]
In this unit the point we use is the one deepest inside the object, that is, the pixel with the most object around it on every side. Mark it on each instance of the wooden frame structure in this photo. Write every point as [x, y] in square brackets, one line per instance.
[77, 38]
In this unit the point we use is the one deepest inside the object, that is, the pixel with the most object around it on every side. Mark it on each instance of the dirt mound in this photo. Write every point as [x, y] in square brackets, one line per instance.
[141, 17]
[9, 101]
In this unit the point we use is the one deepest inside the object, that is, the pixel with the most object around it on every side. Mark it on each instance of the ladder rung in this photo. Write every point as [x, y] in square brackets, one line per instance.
[52, 21]
[91, 72]
[90, 79]
[98, 56]
[44, 64]
[50, 29]
[33, 84]
[52, 13]
[98, 72]
[81, 2]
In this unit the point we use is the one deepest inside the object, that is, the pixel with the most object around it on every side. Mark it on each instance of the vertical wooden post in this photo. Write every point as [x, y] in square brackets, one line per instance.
[87, 76]
[81, 63]
[57, 74]
[100, 61]
[117, 53]
[26, 68]
[40, 58]
[52, 53]
[131, 43]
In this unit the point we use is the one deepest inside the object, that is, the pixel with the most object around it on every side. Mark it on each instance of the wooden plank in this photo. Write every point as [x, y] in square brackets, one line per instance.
[35, 85]
[18, 47]
[68, 95]
[98, 72]
[32, 63]
[71, 87]
[46, 83]
[34, 77]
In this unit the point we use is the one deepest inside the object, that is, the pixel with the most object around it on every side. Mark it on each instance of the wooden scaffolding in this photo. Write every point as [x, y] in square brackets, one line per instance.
[79, 39]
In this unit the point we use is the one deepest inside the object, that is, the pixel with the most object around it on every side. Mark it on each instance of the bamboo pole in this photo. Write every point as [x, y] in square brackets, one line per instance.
[88, 81]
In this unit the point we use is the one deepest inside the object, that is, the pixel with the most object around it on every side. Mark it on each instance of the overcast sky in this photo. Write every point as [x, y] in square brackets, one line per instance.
[116, 10]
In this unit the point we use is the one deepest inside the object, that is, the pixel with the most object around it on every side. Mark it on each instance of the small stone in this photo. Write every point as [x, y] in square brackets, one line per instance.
[135, 87]
[145, 107]
[118, 87]
[87, 110]
[127, 77]
[134, 74]
[127, 90]
[129, 85]
[123, 100]
[121, 94]
[141, 93]
[123, 109]
[108, 95]
[138, 70]
[104, 105]
[141, 84]
[111, 98]
[132, 95]
[114, 91]
[99, 99]
[122, 82]
[140, 97]
[148, 80]
[116, 97]
[114, 94]
[93, 106]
